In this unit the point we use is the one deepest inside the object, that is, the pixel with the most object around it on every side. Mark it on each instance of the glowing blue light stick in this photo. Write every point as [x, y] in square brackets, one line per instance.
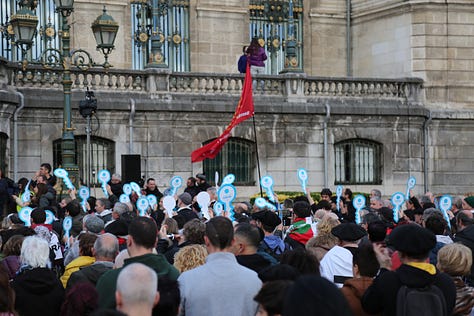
[104, 178]
[67, 225]
[124, 198]
[26, 196]
[176, 182]
[338, 197]
[127, 189]
[49, 217]
[25, 214]
[303, 178]
[142, 205]
[228, 179]
[262, 203]
[359, 204]
[84, 194]
[63, 174]
[136, 188]
[410, 185]
[226, 195]
[445, 203]
[218, 208]
[397, 202]
[152, 200]
[267, 184]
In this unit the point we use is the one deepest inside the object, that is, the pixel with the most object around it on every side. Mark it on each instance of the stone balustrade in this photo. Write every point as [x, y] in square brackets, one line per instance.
[296, 87]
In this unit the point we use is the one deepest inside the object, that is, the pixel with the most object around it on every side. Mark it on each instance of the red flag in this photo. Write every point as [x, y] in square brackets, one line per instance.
[244, 111]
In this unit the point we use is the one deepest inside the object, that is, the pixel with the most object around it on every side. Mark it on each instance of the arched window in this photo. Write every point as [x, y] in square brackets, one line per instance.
[3, 151]
[358, 161]
[237, 157]
[269, 23]
[171, 18]
[102, 155]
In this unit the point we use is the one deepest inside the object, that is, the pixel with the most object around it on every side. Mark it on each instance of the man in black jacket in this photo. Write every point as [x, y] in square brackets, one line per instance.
[413, 244]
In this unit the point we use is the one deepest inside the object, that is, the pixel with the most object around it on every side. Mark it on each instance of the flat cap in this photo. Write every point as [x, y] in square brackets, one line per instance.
[267, 218]
[348, 232]
[412, 239]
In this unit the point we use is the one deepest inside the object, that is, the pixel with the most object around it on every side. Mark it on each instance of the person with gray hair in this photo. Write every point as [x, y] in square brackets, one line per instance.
[137, 290]
[105, 250]
[91, 224]
[37, 289]
[375, 193]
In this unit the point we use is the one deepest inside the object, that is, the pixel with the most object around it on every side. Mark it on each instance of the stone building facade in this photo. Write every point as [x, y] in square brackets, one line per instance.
[394, 73]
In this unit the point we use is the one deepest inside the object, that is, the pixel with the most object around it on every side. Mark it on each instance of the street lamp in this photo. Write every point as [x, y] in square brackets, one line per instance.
[105, 30]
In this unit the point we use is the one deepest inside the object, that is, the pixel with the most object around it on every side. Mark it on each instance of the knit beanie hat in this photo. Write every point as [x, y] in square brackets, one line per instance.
[470, 200]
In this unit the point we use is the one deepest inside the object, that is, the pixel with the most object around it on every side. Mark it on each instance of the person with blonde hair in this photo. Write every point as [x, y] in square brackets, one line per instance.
[324, 240]
[456, 260]
[190, 257]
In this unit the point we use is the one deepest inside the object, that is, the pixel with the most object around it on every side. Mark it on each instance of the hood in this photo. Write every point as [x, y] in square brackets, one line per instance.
[36, 281]
[275, 242]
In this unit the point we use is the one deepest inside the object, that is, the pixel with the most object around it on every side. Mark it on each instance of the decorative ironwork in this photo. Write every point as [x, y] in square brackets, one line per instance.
[161, 34]
[270, 22]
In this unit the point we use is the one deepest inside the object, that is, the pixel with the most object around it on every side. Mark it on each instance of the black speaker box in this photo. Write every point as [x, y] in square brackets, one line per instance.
[131, 168]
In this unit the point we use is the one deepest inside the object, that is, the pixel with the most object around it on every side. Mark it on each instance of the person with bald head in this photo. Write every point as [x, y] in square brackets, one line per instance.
[136, 293]
[105, 250]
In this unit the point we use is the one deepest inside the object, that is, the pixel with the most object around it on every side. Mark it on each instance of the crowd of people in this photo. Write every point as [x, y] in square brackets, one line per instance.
[300, 257]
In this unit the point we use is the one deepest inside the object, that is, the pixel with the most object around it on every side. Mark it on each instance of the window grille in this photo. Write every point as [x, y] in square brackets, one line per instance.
[236, 157]
[102, 155]
[358, 161]
[173, 23]
[269, 23]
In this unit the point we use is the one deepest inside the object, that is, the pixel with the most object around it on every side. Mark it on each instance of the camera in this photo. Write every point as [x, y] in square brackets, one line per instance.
[88, 106]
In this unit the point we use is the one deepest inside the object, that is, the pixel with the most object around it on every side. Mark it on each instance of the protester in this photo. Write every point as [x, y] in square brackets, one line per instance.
[7, 295]
[104, 251]
[190, 257]
[80, 300]
[11, 252]
[86, 242]
[413, 244]
[314, 295]
[37, 290]
[365, 268]
[141, 242]
[336, 266]
[137, 290]
[300, 231]
[247, 240]
[221, 284]
[456, 261]
[271, 296]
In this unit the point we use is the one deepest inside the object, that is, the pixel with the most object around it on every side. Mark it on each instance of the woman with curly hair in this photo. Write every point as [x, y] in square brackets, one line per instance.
[190, 257]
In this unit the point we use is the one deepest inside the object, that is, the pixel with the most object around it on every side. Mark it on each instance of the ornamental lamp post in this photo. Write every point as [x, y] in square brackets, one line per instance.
[105, 29]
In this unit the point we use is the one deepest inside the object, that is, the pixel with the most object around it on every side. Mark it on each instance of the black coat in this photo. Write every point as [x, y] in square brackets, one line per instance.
[466, 237]
[381, 296]
[89, 274]
[38, 292]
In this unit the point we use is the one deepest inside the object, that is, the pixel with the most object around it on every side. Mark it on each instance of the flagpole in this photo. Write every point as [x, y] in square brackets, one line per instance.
[256, 151]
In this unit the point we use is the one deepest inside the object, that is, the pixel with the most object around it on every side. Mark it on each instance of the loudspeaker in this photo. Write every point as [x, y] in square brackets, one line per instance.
[131, 168]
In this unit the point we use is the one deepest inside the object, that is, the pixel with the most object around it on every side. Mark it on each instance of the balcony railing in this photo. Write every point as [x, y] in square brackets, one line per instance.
[155, 81]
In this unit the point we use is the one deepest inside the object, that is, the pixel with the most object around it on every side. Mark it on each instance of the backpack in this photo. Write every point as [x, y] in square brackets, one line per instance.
[424, 301]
